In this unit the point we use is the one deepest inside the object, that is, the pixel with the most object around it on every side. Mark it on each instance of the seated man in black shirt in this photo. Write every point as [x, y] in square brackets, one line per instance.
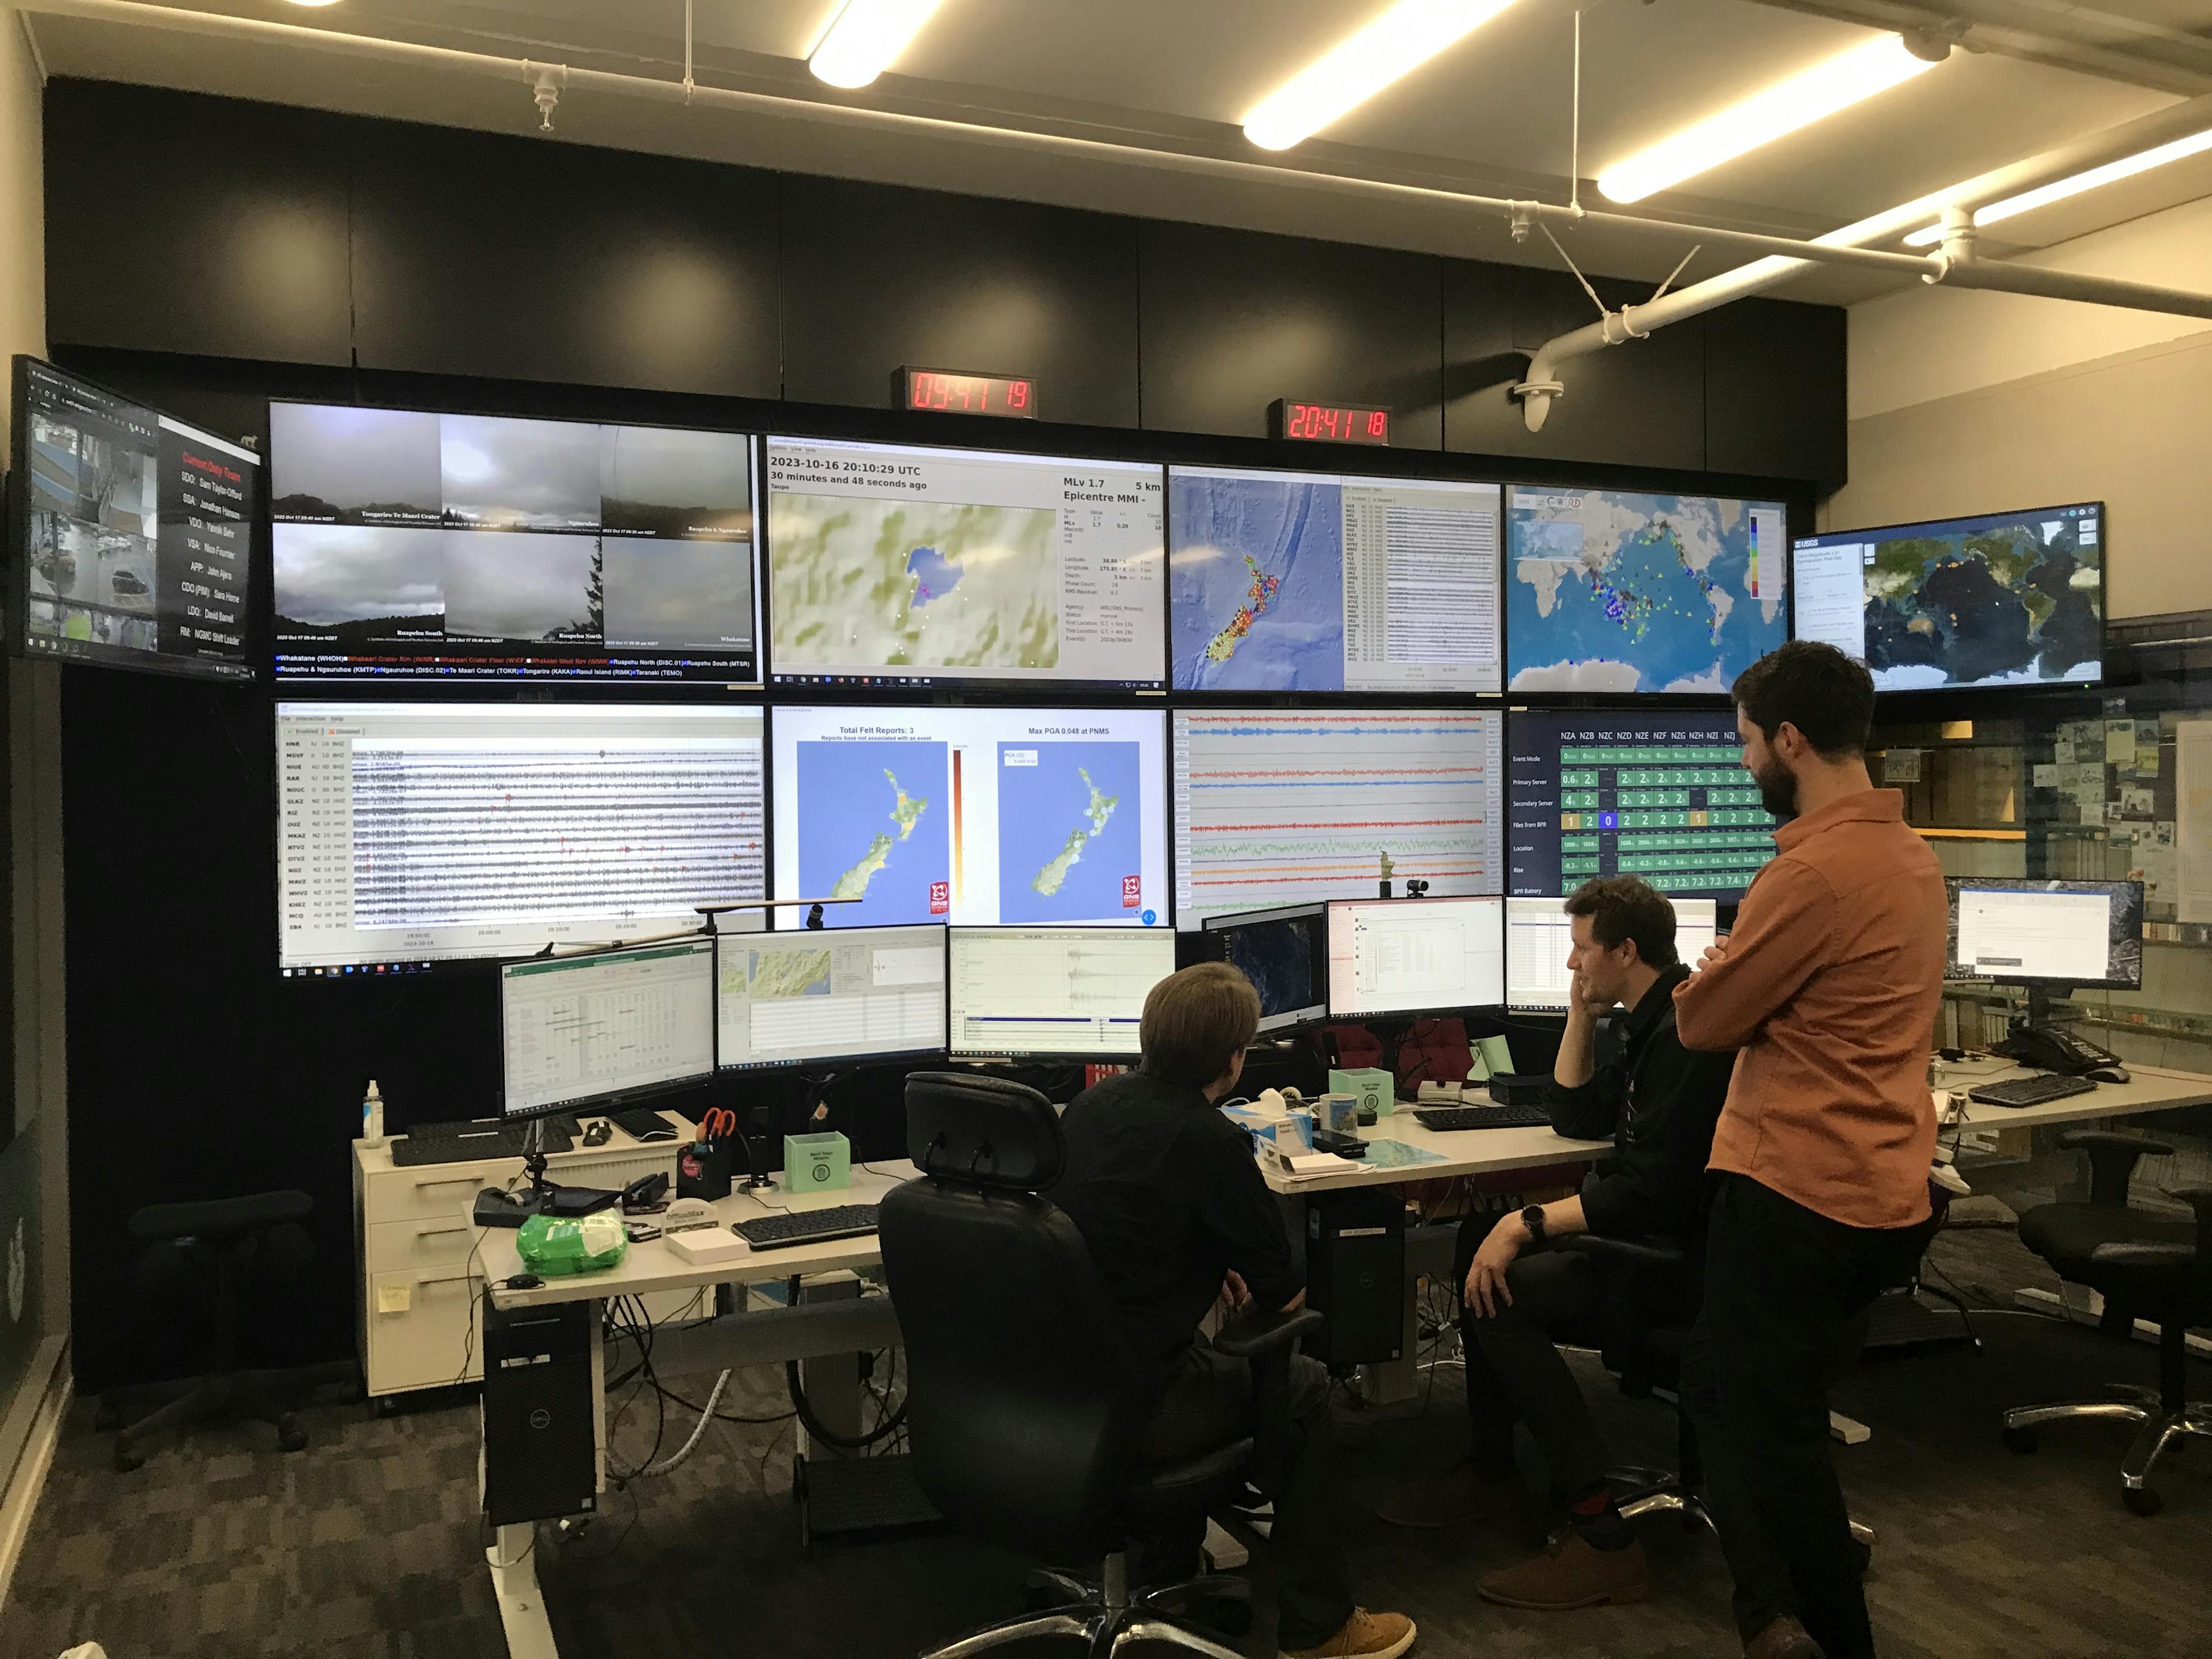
[1659, 1102]
[1166, 1194]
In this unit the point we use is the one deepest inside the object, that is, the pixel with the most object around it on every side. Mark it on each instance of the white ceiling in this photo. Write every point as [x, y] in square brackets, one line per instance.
[1491, 115]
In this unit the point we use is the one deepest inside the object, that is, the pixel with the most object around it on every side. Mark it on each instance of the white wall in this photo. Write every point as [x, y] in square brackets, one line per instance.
[1963, 402]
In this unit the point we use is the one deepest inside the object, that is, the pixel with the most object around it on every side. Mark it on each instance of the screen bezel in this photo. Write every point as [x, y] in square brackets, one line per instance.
[15, 540]
[1427, 1011]
[2103, 582]
[612, 1100]
[1070, 1056]
[868, 1057]
[1309, 1014]
[1953, 886]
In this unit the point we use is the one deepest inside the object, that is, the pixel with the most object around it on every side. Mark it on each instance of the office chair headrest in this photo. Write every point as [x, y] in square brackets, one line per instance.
[982, 1129]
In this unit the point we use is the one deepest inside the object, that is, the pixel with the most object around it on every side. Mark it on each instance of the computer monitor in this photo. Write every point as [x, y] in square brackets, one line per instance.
[1311, 582]
[902, 566]
[1538, 934]
[2046, 933]
[973, 816]
[1053, 992]
[1394, 957]
[604, 1028]
[1610, 590]
[1285, 953]
[129, 533]
[416, 832]
[413, 545]
[2003, 598]
[1286, 806]
[1635, 792]
[847, 994]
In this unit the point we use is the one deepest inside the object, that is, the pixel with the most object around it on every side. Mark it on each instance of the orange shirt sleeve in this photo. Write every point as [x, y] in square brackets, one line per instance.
[1780, 938]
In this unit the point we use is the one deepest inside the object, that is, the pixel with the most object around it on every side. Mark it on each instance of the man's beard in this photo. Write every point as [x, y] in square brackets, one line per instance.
[1777, 788]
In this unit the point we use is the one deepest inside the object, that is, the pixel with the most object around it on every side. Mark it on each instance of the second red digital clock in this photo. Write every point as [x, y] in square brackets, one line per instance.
[1339, 423]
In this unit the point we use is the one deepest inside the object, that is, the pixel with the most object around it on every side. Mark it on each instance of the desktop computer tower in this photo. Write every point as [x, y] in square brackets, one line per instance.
[541, 1459]
[1356, 1275]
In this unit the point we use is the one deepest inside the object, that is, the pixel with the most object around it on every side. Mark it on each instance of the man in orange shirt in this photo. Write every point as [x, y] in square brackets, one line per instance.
[1830, 985]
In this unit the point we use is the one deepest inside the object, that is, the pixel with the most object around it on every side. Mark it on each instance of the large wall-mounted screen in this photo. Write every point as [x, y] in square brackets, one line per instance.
[410, 832]
[2008, 599]
[1611, 590]
[972, 816]
[419, 546]
[1312, 582]
[133, 532]
[920, 567]
[1633, 793]
[1286, 806]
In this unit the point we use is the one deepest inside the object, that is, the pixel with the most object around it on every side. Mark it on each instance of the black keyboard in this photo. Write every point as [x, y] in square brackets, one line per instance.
[2029, 1090]
[639, 1124]
[1483, 1117]
[788, 1227]
[457, 1143]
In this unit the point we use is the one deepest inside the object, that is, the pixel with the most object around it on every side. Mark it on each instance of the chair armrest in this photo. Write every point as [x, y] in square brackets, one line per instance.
[2143, 1256]
[2112, 1159]
[1637, 1252]
[1255, 1333]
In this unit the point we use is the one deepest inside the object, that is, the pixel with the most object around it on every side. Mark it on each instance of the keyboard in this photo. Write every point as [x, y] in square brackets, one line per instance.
[2029, 1090]
[1449, 1118]
[457, 1143]
[639, 1124]
[789, 1227]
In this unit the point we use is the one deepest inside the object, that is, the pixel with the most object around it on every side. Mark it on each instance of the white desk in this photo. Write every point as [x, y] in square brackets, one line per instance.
[1464, 1151]
[2148, 1089]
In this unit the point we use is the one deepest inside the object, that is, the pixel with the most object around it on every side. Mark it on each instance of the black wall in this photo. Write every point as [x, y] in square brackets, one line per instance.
[208, 255]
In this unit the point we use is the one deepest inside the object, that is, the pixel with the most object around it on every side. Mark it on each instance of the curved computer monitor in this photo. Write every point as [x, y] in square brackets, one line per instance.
[1285, 953]
[2023, 931]
[1538, 934]
[604, 1028]
[843, 995]
[1392, 957]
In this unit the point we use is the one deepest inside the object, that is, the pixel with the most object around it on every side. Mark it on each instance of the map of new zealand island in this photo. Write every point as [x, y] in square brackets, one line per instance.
[1068, 831]
[875, 827]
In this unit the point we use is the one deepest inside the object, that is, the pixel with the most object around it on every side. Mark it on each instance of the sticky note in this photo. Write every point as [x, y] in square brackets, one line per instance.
[394, 1296]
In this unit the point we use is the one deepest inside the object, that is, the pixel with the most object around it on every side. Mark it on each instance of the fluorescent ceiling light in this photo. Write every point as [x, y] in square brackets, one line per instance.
[1873, 66]
[1400, 38]
[2126, 168]
[864, 38]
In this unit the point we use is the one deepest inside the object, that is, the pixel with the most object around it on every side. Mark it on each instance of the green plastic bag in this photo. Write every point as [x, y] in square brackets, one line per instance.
[553, 1246]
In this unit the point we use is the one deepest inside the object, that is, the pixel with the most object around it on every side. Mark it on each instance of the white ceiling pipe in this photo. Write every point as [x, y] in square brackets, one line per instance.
[1541, 383]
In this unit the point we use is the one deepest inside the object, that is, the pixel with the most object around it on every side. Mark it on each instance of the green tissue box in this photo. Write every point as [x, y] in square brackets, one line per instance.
[1369, 1086]
[817, 1163]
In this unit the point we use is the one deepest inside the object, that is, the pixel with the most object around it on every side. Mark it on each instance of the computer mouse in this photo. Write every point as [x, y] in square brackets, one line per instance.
[2107, 1074]
[599, 1134]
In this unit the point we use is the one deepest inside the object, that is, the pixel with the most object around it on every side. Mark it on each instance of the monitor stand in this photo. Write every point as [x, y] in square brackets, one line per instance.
[541, 1196]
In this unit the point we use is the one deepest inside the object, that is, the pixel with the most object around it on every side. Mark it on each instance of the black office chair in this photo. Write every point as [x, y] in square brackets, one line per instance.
[230, 1245]
[1646, 1306]
[2147, 1267]
[1022, 1421]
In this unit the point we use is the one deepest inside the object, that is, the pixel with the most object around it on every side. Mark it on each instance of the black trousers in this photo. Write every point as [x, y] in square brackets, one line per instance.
[1208, 1402]
[1514, 1367]
[1784, 1286]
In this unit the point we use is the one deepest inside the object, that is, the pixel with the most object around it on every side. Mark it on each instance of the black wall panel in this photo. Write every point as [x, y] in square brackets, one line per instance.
[518, 258]
[876, 277]
[1234, 319]
[1639, 404]
[1775, 398]
[178, 222]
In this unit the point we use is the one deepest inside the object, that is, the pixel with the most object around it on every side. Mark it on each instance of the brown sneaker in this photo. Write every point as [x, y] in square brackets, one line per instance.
[1449, 1498]
[1364, 1636]
[1784, 1638]
[1571, 1573]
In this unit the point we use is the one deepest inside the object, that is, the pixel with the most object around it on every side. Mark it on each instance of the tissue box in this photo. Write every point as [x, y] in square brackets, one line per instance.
[817, 1163]
[1371, 1086]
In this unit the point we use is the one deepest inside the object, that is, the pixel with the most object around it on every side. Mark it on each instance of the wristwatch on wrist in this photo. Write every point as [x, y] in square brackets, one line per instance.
[1533, 1220]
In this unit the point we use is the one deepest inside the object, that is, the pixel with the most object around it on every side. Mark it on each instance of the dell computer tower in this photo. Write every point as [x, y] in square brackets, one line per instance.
[540, 1455]
[1356, 1275]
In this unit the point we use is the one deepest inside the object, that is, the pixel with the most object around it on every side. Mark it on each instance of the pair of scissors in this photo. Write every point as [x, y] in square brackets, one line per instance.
[719, 1121]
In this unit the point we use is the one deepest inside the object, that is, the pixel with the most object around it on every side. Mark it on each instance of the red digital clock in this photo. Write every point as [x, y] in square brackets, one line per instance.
[1330, 423]
[953, 393]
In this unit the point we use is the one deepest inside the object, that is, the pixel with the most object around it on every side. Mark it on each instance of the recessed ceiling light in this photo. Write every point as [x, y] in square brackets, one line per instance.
[314, 3]
[1873, 66]
[865, 39]
[1401, 37]
[2126, 168]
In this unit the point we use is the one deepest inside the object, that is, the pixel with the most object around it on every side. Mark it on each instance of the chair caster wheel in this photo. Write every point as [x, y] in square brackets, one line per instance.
[1232, 1617]
[2141, 1500]
[106, 1419]
[127, 1462]
[2020, 1440]
[291, 1440]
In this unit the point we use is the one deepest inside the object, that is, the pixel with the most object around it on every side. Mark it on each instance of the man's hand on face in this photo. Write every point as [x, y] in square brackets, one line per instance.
[1236, 1294]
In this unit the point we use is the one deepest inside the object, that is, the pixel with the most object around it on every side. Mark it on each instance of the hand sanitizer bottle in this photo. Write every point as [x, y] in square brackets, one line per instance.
[371, 1116]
